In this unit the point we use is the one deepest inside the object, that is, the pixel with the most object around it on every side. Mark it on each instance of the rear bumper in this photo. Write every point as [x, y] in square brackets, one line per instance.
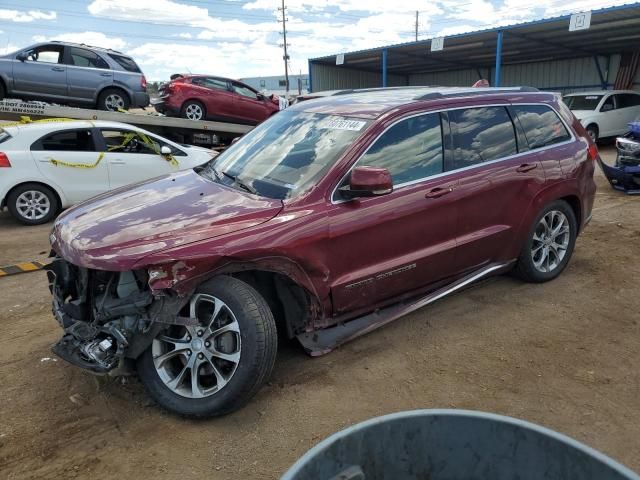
[162, 105]
[140, 99]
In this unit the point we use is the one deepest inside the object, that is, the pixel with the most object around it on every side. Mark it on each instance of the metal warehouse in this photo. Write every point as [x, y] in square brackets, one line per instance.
[590, 50]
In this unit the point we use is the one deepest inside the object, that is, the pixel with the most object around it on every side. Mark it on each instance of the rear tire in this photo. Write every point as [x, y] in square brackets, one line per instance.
[549, 244]
[33, 204]
[213, 385]
[193, 110]
[593, 132]
[113, 99]
[3, 91]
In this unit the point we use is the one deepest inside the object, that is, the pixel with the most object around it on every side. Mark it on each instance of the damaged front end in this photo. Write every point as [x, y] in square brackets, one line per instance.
[107, 317]
[625, 174]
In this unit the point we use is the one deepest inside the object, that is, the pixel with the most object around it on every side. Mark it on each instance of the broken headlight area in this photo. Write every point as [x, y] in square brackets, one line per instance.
[625, 174]
[106, 316]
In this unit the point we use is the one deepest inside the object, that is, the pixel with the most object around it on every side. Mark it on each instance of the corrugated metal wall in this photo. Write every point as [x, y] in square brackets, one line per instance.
[570, 75]
[329, 77]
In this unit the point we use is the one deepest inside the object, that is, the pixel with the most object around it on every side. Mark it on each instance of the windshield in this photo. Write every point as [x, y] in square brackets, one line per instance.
[583, 102]
[286, 155]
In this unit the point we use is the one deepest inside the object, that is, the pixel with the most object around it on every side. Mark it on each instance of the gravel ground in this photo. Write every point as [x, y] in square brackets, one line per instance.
[562, 354]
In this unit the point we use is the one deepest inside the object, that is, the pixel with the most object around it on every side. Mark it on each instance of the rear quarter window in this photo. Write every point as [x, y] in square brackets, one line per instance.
[480, 135]
[541, 125]
[125, 62]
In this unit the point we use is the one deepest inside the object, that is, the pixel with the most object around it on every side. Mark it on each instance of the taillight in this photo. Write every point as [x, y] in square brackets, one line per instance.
[4, 160]
[143, 82]
[593, 151]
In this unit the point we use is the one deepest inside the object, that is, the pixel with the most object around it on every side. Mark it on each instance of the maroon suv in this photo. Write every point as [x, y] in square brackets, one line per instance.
[204, 97]
[329, 220]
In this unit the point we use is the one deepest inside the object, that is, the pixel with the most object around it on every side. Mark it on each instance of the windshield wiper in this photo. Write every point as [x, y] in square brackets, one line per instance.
[241, 183]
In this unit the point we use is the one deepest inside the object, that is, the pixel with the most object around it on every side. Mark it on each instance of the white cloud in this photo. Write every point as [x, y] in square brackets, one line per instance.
[23, 17]
[372, 6]
[183, 35]
[9, 48]
[228, 59]
[96, 39]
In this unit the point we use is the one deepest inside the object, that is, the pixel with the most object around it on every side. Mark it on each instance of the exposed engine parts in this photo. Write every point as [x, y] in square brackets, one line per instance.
[106, 316]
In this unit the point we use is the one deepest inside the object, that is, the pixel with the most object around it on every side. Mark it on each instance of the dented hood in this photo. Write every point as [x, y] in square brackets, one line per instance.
[115, 230]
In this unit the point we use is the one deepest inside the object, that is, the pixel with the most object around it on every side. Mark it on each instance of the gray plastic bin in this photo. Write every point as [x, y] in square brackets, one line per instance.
[453, 445]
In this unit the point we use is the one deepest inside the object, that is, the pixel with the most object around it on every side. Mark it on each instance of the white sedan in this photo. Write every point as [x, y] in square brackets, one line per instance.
[605, 113]
[47, 166]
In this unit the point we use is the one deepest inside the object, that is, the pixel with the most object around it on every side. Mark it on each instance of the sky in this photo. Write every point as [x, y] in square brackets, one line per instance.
[240, 39]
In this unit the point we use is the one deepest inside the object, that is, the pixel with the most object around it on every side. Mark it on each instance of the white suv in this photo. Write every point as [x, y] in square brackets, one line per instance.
[605, 113]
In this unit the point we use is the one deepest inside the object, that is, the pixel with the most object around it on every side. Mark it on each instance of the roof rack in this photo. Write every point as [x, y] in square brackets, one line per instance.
[88, 46]
[475, 91]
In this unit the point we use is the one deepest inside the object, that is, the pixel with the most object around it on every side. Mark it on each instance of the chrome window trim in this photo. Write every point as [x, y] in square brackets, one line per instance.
[463, 169]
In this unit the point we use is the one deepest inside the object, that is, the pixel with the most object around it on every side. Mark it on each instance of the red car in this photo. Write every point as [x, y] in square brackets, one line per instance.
[325, 222]
[204, 97]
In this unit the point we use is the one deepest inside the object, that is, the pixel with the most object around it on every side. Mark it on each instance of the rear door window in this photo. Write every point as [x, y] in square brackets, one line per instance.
[411, 149]
[67, 140]
[541, 125]
[80, 57]
[209, 82]
[481, 135]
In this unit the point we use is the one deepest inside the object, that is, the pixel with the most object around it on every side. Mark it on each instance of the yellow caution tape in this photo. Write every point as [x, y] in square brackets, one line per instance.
[25, 120]
[62, 163]
[127, 138]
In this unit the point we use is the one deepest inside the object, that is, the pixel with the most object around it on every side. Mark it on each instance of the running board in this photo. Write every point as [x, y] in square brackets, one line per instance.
[323, 341]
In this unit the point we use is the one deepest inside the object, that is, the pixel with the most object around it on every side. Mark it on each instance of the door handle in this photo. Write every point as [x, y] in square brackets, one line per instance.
[118, 162]
[57, 69]
[106, 74]
[526, 167]
[438, 192]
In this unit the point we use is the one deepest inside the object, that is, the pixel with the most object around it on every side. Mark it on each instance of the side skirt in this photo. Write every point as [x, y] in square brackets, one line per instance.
[323, 341]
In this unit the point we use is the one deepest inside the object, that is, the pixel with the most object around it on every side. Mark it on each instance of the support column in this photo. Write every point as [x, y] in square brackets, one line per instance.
[603, 82]
[498, 59]
[310, 83]
[384, 68]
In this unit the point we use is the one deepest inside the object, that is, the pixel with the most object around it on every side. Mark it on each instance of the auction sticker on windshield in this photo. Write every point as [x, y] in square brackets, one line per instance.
[342, 124]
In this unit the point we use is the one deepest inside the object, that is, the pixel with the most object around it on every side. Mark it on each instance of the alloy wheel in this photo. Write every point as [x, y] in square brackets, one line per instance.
[114, 102]
[198, 361]
[33, 205]
[550, 241]
[194, 112]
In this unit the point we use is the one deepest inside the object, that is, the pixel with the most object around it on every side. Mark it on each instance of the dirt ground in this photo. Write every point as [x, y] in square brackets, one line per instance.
[563, 354]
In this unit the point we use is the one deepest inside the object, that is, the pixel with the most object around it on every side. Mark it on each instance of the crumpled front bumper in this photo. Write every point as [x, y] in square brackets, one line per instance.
[623, 178]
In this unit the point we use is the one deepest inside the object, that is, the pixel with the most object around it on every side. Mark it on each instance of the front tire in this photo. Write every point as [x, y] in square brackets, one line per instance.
[33, 204]
[217, 367]
[549, 244]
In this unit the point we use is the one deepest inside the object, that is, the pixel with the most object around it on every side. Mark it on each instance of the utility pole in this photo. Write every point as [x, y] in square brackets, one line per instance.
[286, 55]
[417, 13]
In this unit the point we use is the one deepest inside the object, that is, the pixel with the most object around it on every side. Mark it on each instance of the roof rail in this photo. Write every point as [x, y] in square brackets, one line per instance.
[87, 46]
[475, 91]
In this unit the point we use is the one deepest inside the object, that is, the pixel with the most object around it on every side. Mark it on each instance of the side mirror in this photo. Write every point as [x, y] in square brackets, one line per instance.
[165, 150]
[606, 107]
[260, 96]
[368, 182]
[22, 56]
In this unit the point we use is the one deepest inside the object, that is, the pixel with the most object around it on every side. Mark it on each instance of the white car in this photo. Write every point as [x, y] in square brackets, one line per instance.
[605, 113]
[47, 166]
